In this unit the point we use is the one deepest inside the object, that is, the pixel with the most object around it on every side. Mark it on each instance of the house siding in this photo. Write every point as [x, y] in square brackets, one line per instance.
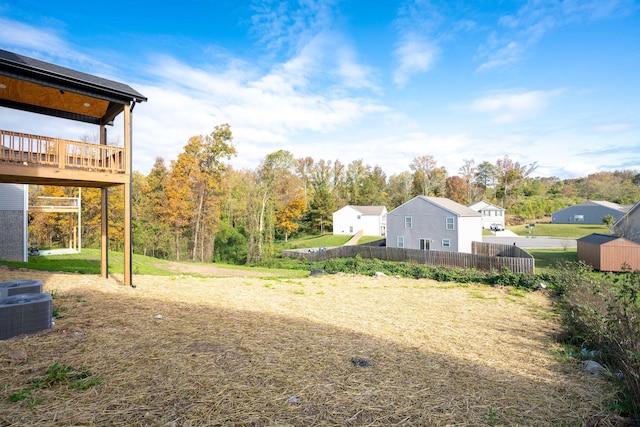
[592, 214]
[429, 221]
[13, 218]
[629, 225]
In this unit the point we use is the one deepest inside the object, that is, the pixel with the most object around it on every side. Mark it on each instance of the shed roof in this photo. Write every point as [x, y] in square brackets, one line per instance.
[36, 86]
[598, 239]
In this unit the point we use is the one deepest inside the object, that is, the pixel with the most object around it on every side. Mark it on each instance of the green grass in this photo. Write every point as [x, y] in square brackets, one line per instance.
[572, 231]
[547, 257]
[367, 239]
[323, 241]
[88, 262]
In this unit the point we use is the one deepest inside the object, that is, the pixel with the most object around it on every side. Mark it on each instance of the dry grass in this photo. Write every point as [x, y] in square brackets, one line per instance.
[248, 351]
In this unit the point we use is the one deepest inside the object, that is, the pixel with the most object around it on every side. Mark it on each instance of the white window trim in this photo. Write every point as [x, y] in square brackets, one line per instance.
[447, 244]
[453, 223]
[409, 222]
[400, 241]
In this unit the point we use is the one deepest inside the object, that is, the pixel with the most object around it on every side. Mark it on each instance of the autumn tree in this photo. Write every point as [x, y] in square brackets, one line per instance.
[287, 218]
[428, 178]
[456, 190]
[151, 233]
[399, 189]
[276, 184]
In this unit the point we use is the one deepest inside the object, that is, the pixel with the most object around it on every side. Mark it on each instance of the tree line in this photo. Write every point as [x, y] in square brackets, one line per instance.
[200, 208]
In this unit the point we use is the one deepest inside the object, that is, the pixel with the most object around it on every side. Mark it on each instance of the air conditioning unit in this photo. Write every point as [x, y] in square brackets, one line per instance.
[24, 314]
[16, 287]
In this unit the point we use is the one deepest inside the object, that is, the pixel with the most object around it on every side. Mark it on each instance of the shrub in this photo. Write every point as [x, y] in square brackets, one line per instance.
[602, 312]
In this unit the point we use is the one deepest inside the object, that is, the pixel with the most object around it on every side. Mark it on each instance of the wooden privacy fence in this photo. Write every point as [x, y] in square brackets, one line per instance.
[485, 256]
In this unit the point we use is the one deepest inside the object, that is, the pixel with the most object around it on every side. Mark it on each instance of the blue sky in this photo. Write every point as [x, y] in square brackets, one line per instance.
[385, 81]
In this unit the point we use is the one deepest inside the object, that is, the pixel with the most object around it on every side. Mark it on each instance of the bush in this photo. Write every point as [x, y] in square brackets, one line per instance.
[602, 312]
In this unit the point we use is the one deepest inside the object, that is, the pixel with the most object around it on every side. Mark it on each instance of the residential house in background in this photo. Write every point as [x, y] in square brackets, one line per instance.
[608, 253]
[628, 226]
[491, 214]
[589, 212]
[372, 220]
[14, 202]
[433, 223]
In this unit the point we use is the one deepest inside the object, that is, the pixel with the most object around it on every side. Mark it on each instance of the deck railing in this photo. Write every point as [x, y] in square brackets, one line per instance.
[35, 150]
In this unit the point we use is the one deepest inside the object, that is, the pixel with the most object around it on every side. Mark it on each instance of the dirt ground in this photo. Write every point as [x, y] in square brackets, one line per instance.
[319, 351]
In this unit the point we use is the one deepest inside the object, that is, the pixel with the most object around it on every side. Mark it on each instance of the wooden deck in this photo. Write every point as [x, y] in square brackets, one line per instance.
[34, 159]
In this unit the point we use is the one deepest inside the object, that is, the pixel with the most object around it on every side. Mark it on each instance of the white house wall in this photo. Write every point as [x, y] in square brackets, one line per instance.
[348, 221]
[470, 230]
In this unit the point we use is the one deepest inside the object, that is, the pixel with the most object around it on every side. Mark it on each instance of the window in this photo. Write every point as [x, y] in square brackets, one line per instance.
[359, 216]
[407, 222]
[400, 242]
[424, 244]
[498, 213]
[446, 243]
[450, 223]
[351, 229]
[578, 218]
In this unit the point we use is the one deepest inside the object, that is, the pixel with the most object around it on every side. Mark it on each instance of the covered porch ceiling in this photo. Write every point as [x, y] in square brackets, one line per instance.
[39, 87]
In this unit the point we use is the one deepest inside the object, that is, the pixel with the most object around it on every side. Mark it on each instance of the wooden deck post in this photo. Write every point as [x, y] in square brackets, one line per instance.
[104, 212]
[128, 243]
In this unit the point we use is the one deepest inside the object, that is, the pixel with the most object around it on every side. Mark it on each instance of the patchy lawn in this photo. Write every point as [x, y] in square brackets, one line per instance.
[317, 351]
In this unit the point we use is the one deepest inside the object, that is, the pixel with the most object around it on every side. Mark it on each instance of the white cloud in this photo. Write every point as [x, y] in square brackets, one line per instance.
[415, 55]
[45, 43]
[264, 111]
[511, 107]
[616, 127]
[534, 20]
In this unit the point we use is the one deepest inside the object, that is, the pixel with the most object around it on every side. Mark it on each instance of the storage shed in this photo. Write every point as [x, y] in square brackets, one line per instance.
[608, 253]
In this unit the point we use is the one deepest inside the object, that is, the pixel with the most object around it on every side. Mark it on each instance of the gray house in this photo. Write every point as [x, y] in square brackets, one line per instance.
[590, 212]
[433, 223]
[628, 226]
[14, 201]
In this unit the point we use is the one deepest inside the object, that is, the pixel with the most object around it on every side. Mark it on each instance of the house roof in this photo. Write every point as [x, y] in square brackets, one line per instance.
[484, 205]
[369, 210]
[36, 86]
[449, 205]
[610, 205]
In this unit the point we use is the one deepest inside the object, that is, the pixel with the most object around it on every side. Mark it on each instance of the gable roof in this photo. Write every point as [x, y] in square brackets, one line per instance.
[446, 204]
[610, 205]
[369, 210]
[36, 86]
[484, 205]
